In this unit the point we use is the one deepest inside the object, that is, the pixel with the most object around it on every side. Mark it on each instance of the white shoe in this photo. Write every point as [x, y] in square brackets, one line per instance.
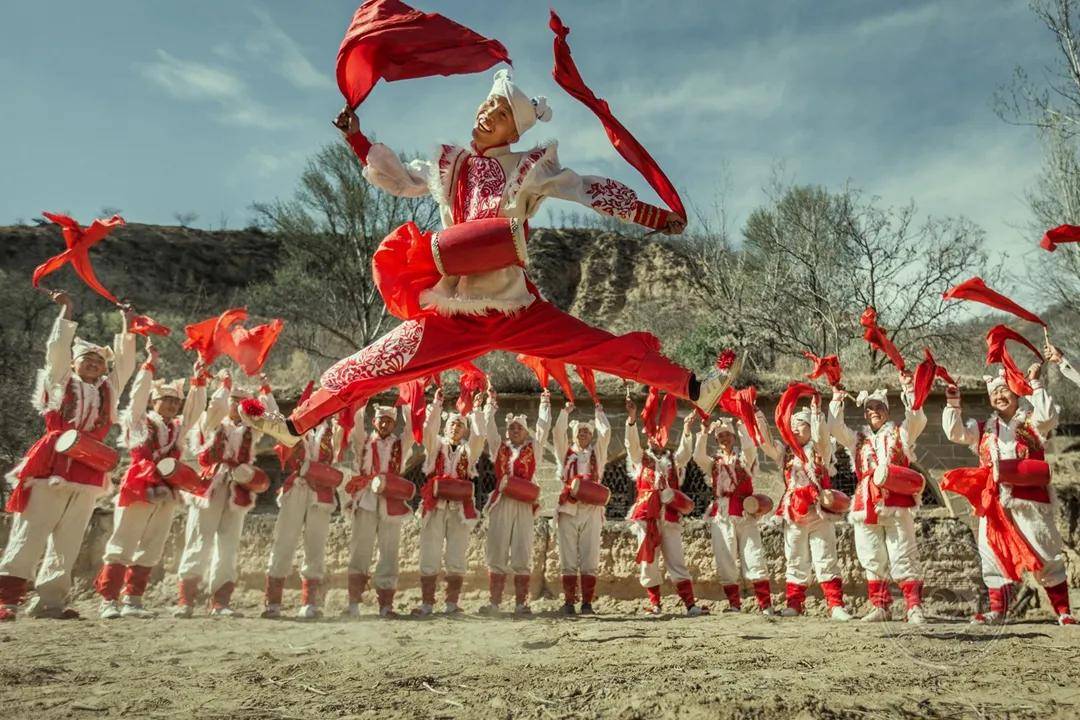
[989, 618]
[352, 611]
[769, 612]
[423, 611]
[182, 611]
[110, 610]
[789, 612]
[452, 609]
[272, 424]
[309, 612]
[839, 614]
[915, 616]
[136, 610]
[697, 611]
[1066, 619]
[35, 608]
[271, 612]
[490, 609]
[715, 382]
[878, 614]
[224, 612]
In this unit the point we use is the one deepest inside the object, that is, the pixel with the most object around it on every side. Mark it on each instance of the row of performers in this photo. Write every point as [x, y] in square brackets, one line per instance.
[60, 477]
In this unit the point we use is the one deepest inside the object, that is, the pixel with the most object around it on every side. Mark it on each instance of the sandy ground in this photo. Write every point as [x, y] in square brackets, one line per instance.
[617, 665]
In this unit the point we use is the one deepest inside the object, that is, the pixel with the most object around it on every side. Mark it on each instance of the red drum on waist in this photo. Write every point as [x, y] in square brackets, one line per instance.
[478, 246]
[835, 501]
[86, 450]
[1024, 473]
[180, 476]
[757, 504]
[520, 489]
[677, 500]
[452, 489]
[393, 486]
[589, 492]
[322, 475]
[902, 481]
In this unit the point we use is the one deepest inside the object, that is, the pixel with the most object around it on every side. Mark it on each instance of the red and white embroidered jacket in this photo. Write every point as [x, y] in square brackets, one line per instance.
[499, 182]
[443, 459]
[66, 403]
[576, 461]
[803, 480]
[1023, 436]
[872, 452]
[511, 460]
[654, 471]
[732, 474]
[151, 438]
[377, 455]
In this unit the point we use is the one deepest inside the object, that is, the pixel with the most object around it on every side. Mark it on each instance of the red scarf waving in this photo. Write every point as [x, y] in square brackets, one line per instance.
[145, 325]
[207, 337]
[79, 241]
[827, 366]
[997, 352]
[743, 405]
[472, 381]
[658, 414]
[1060, 235]
[875, 335]
[250, 347]
[925, 374]
[785, 408]
[388, 40]
[977, 291]
[569, 78]
[588, 379]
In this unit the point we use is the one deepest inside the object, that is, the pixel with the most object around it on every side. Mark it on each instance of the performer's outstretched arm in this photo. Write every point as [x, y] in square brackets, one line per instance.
[603, 438]
[382, 166]
[1054, 355]
[559, 438]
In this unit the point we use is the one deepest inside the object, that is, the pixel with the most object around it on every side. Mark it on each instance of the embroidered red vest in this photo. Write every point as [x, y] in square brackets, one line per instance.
[393, 466]
[460, 471]
[142, 474]
[647, 504]
[743, 486]
[523, 467]
[1028, 446]
[325, 455]
[797, 501]
[867, 494]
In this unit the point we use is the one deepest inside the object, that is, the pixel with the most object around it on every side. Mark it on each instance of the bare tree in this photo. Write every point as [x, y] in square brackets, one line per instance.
[109, 211]
[185, 219]
[329, 231]
[1054, 200]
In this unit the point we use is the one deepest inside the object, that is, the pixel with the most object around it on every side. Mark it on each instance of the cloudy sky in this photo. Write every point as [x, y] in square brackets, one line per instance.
[204, 106]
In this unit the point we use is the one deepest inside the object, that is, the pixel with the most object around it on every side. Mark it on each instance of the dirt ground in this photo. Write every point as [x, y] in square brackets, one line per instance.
[619, 664]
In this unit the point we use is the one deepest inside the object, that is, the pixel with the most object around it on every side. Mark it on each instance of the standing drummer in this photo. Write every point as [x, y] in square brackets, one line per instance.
[657, 526]
[153, 427]
[579, 524]
[510, 526]
[377, 518]
[225, 449]
[54, 495]
[305, 501]
[883, 521]
[445, 523]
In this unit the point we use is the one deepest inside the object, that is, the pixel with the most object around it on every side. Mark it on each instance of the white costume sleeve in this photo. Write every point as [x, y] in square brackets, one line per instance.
[123, 365]
[385, 171]
[602, 440]
[837, 426]
[133, 418]
[701, 451]
[749, 450]
[58, 353]
[685, 450]
[604, 195]
[959, 432]
[1044, 413]
[194, 403]
[543, 426]
[431, 432]
[914, 420]
[484, 430]
[559, 438]
[215, 412]
[407, 439]
[632, 442]
[1069, 371]
[819, 436]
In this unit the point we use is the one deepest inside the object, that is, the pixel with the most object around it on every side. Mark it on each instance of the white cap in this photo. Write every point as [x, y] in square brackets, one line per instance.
[163, 389]
[382, 411]
[802, 416]
[880, 395]
[521, 420]
[993, 382]
[526, 110]
[80, 347]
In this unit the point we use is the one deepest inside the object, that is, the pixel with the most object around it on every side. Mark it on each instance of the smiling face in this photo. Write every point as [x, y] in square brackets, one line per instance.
[517, 433]
[90, 367]
[167, 407]
[584, 436]
[385, 425]
[494, 124]
[802, 433]
[725, 440]
[876, 413]
[1004, 401]
[456, 431]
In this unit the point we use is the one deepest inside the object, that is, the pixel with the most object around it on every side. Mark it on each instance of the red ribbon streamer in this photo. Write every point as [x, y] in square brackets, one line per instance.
[569, 78]
[79, 241]
[998, 352]
[206, 337]
[879, 340]
[588, 379]
[976, 290]
[658, 414]
[145, 325]
[743, 405]
[925, 374]
[827, 366]
[473, 380]
[1060, 235]
[785, 408]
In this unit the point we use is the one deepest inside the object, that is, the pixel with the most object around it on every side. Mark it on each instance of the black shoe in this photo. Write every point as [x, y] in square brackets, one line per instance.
[568, 609]
[586, 609]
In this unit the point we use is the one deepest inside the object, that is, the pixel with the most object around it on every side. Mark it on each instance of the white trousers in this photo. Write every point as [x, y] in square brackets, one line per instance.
[53, 524]
[810, 548]
[671, 549]
[579, 539]
[140, 532]
[889, 550]
[212, 539]
[300, 516]
[510, 530]
[444, 537]
[1036, 521]
[736, 542]
[373, 530]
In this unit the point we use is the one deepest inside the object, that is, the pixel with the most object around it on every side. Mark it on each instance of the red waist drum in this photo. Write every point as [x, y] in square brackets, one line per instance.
[1024, 473]
[478, 246]
[902, 481]
[757, 504]
[86, 450]
[835, 501]
[520, 489]
[677, 500]
[393, 486]
[322, 475]
[180, 476]
[452, 489]
[589, 492]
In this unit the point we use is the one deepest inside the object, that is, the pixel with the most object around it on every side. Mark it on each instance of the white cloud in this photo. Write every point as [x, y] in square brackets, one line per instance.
[197, 82]
[292, 64]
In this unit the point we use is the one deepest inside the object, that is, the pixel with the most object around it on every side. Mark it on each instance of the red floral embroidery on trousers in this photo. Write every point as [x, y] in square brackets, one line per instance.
[388, 355]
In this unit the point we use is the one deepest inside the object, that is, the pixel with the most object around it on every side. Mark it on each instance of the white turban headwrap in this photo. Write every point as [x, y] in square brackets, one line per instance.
[382, 411]
[589, 425]
[880, 395]
[163, 389]
[521, 420]
[241, 392]
[724, 425]
[526, 110]
[993, 382]
[80, 347]
[803, 416]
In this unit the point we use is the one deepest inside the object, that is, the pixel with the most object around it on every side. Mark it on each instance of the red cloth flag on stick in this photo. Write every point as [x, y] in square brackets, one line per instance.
[250, 347]
[879, 340]
[925, 374]
[79, 241]
[785, 408]
[388, 40]
[145, 325]
[569, 78]
[827, 366]
[743, 405]
[658, 414]
[997, 352]
[472, 381]
[412, 394]
[588, 379]
[1060, 235]
[206, 337]
[977, 291]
